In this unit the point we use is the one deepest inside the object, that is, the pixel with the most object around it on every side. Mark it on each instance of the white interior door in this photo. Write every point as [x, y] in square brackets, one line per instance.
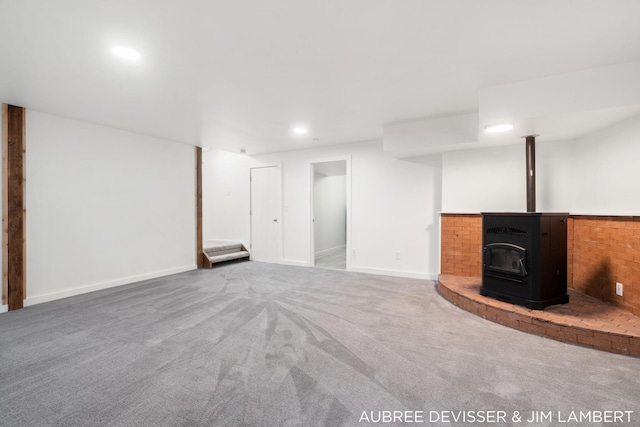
[265, 214]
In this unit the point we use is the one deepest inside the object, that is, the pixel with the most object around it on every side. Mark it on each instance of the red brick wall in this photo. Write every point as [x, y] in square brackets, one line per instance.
[461, 251]
[570, 223]
[606, 250]
[601, 251]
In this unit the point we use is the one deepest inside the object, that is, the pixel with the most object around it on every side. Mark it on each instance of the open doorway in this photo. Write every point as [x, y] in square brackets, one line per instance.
[329, 214]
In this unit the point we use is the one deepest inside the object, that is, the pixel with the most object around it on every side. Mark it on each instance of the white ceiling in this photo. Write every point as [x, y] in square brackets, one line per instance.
[239, 74]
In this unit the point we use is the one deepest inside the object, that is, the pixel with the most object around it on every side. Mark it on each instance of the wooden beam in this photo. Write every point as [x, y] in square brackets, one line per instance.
[14, 200]
[5, 198]
[199, 251]
[531, 172]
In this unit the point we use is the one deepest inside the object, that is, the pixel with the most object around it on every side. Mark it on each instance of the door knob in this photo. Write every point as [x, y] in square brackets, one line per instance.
[275, 219]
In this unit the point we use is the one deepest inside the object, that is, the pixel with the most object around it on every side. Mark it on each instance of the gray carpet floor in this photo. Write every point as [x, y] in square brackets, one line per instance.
[255, 344]
[334, 258]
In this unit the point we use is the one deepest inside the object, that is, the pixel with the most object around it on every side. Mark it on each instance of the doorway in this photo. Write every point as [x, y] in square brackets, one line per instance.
[329, 214]
[265, 214]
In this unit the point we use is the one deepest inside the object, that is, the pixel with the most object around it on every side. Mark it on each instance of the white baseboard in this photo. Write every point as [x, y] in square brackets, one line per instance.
[38, 299]
[378, 271]
[395, 273]
[294, 262]
[4, 308]
[324, 251]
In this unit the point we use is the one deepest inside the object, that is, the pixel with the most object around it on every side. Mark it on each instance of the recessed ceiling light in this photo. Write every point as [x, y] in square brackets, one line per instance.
[501, 127]
[300, 130]
[125, 52]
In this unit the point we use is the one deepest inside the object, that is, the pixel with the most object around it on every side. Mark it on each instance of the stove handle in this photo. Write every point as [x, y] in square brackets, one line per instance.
[524, 270]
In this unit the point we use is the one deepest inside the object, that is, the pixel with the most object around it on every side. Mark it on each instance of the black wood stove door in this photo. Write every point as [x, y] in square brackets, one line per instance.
[505, 258]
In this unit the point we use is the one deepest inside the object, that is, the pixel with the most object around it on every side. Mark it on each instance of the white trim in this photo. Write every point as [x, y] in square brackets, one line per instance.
[312, 219]
[395, 273]
[616, 214]
[347, 159]
[4, 308]
[462, 213]
[349, 213]
[281, 213]
[104, 285]
[439, 249]
[294, 262]
[324, 251]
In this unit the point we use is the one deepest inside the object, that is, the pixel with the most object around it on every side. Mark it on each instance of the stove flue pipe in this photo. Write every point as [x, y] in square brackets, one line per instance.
[531, 172]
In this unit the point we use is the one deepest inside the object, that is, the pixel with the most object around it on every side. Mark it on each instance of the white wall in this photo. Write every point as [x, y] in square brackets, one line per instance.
[556, 176]
[494, 179]
[491, 179]
[104, 207]
[607, 170]
[330, 211]
[226, 197]
[394, 206]
[596, 174]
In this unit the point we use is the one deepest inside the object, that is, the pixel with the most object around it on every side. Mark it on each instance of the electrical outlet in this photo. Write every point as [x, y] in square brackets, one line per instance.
[353, 252]
[397, 255]
[619, 288]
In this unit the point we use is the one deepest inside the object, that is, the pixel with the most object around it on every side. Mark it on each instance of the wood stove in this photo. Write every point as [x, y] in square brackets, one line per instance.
[525, 258]
[525, 254]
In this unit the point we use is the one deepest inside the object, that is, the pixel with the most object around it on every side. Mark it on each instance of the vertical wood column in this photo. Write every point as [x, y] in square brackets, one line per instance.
[13, 206]
[531, 172]
[5, 237]
[199, 252]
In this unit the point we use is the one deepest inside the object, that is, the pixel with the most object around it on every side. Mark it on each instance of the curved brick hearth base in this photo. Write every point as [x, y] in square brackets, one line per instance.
[584, 321]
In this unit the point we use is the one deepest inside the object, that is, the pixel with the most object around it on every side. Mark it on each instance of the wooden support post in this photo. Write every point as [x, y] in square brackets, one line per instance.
[5, 230]
[531, 172]
[13, 202]
[199, 251]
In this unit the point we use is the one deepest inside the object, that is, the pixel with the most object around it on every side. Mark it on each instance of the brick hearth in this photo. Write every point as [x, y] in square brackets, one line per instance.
[600, 251]
[585, 321]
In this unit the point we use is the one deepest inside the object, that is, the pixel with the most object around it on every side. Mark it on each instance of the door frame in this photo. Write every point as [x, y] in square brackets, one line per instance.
[347, 160]
[279, 210]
